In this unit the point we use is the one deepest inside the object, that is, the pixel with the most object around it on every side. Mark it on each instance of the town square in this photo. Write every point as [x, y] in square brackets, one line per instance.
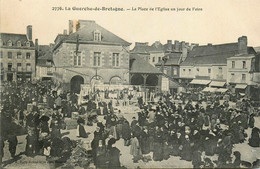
[95, 98]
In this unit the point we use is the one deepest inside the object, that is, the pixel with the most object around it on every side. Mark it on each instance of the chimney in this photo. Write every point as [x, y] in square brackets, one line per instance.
[242, 45]
[64, 32]
[184, 53]
[141, 43]
[73, 26]
[182, 45]
[36, 44]
[29, 32]
[177, 45]
[169, 45]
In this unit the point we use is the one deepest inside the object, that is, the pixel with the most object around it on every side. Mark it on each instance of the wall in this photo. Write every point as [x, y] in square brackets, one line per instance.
[5, 60]
[64, 60]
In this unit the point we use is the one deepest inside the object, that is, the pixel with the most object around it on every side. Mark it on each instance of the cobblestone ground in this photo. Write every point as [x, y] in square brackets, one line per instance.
[247, 153]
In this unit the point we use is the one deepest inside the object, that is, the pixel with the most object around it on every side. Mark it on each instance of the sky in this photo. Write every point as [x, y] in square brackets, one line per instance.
[220, 21]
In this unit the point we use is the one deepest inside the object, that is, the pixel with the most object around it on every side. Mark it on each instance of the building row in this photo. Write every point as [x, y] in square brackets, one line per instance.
[89, 54]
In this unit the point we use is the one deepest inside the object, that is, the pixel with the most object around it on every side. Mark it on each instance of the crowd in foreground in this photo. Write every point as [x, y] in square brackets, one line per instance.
[165, 128]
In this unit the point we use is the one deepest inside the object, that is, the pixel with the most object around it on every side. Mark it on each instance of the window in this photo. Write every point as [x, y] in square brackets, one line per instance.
[10, 66]
[19, 55]
[220, 69]
[77, 60]
[153, 59]
[1, 65]
[159, 59]
[28, 44]
[183, 70]
[209, 71]
[28, 55]
[189, 70]
[1, 54]
[233, 64]
[9, 55]
[115, 59]
[97, 36]
[19, 66]
[19, 44]
[28, 67]
[198, 69]
[243, 77]
[174, 70]
[9, 43]
[244, 64]
[97, 59]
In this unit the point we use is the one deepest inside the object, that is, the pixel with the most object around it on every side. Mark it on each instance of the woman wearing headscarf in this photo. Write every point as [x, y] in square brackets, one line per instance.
[254, 140]
[113, 155]
[135, 149]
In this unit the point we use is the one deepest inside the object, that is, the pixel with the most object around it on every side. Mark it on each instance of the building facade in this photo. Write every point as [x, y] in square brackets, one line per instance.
[90, 54]
[45, 66]
[17, 53]
[207, 65]
[241, 71]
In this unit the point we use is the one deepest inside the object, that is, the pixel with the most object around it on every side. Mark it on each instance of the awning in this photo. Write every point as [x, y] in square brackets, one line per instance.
[200, 81]
[217, 83]
[209, 89]
[221, 90]
[241, 86]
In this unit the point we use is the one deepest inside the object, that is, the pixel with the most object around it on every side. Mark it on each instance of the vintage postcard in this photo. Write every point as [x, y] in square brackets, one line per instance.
[129, 84]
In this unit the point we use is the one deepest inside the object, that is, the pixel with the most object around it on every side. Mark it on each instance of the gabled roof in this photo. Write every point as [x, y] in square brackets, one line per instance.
[139, 65]
[86, 34]
[212, 54]
[5, 37]
[173, 59]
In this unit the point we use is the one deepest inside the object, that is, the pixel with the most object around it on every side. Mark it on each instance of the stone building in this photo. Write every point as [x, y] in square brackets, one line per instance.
[45, 66]
[17, 52]
[242, 70]
[155, 53]
[90, 54]
[207, 65]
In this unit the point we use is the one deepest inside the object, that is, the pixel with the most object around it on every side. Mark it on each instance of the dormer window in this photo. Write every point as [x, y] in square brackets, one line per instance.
[19, 44]
[9, 43]
[28, 44]
[97, 35]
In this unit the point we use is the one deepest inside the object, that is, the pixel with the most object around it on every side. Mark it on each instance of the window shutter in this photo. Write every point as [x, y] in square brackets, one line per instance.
[91, 61]
[83, 58]
[102, 59]
[71, 57]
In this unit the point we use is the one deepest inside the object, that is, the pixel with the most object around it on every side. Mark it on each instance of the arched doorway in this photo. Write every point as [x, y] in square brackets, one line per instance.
[152, 80]
[137, 79]
[75, 83]
[116, 80]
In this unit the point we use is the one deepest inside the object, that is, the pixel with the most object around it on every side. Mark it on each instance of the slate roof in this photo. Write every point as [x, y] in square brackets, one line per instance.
[86, 33]
[5, 37]
[173, 59]
[212, 54]
[139, 65]
[144, 48]
[45, 54]
[257, 49]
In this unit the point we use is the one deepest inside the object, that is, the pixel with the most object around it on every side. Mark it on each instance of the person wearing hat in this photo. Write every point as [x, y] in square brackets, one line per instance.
[113, 155]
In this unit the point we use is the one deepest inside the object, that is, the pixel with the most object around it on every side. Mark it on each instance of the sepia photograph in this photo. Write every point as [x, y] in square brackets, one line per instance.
[132, 84]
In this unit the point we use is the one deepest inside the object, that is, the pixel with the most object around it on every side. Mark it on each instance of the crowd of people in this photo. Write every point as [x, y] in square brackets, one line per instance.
[176, 125]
